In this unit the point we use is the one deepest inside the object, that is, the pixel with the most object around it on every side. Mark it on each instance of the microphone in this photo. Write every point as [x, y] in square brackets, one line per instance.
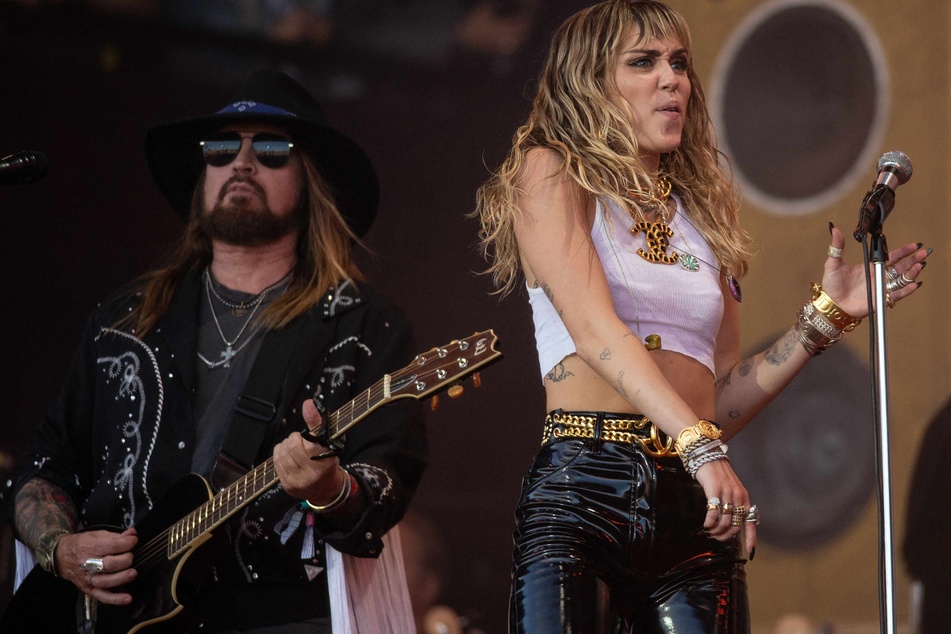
[23, 168]
[894, 169]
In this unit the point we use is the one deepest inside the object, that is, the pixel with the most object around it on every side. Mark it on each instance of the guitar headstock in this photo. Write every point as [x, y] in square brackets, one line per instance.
[444, 366]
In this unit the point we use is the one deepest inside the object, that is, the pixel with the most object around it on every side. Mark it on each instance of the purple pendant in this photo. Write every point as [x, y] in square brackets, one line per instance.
[734, 288]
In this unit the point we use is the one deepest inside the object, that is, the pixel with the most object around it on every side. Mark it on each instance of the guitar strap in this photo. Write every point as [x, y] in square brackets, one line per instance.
[256, 406]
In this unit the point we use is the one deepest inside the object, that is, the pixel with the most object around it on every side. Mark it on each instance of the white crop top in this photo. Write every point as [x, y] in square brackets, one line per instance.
[684, 307]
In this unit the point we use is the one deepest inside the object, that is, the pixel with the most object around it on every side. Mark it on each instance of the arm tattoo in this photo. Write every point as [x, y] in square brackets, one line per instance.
[41, 506]
[725, 380]
[605, 354]
[619, 386]
[745, 367]
[629, 334]
[780, 351]
[734, 414]
[558, 373]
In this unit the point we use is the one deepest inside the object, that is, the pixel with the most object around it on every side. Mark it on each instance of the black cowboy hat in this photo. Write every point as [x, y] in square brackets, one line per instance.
[175, 158]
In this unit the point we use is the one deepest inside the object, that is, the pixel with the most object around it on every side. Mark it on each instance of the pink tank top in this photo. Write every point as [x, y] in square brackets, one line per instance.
[683, 306]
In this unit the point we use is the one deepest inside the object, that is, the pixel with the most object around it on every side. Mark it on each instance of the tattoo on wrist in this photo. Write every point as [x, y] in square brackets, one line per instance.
[605, 354]
[734, 414]
[780, 351]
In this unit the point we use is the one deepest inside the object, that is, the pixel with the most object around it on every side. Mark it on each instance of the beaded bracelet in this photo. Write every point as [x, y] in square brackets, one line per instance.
[345, 491]
[831, 311]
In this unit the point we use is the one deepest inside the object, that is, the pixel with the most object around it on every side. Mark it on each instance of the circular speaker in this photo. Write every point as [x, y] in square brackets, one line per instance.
[800, 97]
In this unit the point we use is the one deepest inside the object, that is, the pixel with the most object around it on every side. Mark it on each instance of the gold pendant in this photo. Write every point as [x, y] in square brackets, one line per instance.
[657, 239]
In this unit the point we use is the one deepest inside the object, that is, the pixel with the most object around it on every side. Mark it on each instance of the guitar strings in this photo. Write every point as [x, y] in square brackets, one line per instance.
[156, 549]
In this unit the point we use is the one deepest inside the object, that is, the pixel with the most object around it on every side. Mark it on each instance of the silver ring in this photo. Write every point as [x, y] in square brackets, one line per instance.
[92, 566]
[905, 280]
[835, 252]
[891, 271]
[892, 284]
[752, 515]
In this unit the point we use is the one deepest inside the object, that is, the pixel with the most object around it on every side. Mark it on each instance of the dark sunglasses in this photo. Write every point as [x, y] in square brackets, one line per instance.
[271, 150]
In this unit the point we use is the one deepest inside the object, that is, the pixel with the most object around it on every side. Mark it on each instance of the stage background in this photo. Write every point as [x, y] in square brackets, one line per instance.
[433, 91]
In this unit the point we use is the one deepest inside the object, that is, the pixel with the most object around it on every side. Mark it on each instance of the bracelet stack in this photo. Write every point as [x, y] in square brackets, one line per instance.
[699, 445]
[821, 322]
[343, 496]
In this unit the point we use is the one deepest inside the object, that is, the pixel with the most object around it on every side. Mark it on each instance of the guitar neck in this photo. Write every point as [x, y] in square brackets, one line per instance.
[251, 485]
[425, 375]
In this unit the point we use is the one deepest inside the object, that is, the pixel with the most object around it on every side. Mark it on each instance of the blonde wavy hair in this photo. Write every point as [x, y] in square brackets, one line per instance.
[324, 259]
[572, 115]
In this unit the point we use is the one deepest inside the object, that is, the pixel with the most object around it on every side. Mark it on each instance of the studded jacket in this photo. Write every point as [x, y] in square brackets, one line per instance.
[121, 434]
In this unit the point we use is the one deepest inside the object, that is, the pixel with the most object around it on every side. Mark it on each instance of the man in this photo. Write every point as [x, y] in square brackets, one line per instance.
[203, 365]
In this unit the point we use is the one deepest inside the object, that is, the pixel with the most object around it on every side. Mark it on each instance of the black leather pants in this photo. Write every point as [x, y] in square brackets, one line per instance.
[609, 539]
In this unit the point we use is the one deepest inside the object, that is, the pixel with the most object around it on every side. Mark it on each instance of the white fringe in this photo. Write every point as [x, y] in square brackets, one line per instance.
[370, 596]
[25, 563]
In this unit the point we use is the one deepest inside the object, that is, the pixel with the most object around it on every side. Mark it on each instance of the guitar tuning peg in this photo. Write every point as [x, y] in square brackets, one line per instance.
[477, 380]
[434, 402]
[455, 391]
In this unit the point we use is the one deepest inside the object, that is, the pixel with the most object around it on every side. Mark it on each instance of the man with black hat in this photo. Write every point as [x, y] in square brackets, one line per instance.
[202, 366]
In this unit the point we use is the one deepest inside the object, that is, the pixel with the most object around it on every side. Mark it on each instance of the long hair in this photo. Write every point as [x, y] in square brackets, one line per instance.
[324, 259]
[572, 115]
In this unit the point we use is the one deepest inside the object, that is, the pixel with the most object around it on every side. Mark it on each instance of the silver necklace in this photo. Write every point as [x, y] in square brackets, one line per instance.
[230, 351]
[239, 309]
[691, 262]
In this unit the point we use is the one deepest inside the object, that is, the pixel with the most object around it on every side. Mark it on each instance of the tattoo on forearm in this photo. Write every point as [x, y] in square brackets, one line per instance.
[605, 354]
[734, 414]
[629, 334]
[744, 368]
[547, 289]
[41, 506]
[558, 373]
[780, 351]
[724, 380]
[619, 385]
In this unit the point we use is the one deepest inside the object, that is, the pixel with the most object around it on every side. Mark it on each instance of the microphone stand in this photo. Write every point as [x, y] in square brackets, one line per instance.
[878, 256]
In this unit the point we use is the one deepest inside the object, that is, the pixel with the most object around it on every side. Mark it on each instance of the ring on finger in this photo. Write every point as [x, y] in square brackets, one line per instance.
[904, 279]
[726, 508]
[891, 271]
[92, 566]
[752, 516]
[835, 252]
[888, 300]
[713, 504]
[737, 516]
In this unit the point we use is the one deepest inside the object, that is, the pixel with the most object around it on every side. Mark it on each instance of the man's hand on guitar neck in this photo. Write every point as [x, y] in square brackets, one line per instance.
[323, 484]
[115, 551]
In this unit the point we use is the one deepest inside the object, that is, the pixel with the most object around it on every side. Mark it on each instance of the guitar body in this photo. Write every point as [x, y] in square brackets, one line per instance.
[189, 513]
[164, 587]
[44, 603]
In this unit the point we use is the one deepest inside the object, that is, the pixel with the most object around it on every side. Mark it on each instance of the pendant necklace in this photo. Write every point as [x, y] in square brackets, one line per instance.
[690, 262]
[230, 351]
[657, 234]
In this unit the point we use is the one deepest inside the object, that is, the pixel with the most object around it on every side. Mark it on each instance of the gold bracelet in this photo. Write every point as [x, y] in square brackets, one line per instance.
[831, 311]
[701, 433]
[337, 501]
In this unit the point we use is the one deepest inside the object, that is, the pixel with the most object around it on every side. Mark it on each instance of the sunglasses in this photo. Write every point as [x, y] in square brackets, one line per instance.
[271, 150]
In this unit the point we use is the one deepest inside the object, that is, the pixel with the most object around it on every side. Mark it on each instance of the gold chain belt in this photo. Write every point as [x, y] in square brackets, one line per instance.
[624, 430]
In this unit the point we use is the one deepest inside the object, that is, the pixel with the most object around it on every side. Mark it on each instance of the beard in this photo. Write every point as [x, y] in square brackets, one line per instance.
[248, 220]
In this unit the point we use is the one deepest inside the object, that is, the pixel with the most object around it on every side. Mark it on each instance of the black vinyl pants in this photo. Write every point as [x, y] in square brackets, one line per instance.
[609, 539]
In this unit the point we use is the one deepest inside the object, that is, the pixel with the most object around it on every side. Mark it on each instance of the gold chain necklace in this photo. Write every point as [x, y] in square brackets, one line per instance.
[657, 234]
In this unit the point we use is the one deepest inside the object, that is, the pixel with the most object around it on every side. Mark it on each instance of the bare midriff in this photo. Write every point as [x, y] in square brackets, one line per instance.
[581, 389]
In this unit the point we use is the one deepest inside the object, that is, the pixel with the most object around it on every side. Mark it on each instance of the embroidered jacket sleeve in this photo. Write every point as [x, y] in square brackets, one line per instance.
[99, 441]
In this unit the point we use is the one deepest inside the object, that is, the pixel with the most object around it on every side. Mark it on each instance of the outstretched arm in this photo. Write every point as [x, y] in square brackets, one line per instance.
[745, 387]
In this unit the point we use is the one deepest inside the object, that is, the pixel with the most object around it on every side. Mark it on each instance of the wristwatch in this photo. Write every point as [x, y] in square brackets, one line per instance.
[45, 551]
[703, 432]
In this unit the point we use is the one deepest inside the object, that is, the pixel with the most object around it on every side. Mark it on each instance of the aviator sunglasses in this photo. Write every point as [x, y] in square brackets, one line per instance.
[271, 150]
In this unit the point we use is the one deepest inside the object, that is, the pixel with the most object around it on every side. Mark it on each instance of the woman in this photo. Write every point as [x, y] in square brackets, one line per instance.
[613, 206]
